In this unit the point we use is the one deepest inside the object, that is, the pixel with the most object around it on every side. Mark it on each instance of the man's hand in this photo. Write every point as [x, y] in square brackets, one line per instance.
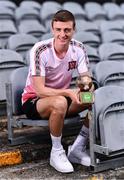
[73, 94]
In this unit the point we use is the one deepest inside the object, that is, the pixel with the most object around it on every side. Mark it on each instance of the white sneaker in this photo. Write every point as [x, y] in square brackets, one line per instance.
[78, 156]
[60, 162]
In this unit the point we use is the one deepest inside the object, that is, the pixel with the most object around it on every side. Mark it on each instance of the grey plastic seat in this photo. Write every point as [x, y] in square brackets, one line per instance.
[32, 27]
[94, 11]
[15, 115]
[26, 13]
[9, 60]
[21, 43]
[7, 28]
[88, 26]
[30, 4]
[48, 9]
[113, 36]
[106, 127]
[87, 38]
[8, 4]
[113, 11]
[111, 51]
[76, 9]
[111, 25]
[109, 73]
[6, 13]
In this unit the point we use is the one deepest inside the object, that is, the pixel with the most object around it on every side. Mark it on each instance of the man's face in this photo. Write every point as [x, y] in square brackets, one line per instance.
[63, 32]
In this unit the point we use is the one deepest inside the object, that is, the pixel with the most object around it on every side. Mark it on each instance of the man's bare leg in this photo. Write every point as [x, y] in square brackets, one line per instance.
[54, 108]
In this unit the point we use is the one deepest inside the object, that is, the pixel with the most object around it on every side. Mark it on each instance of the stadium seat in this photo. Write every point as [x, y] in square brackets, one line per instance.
[8, 4]
[23, 13]
[111, 25]
[112, 36]
[106, 128]
[109, 73]
[94, 11]
[32, 27]
[9, 60]
[16, 118]
[111, 51]
[87, 38]
[88, 26]
[21, 43]
[6, 14]
[113, 11]
[7, 28]
[31, 4]
[76, 9]
[48, 9]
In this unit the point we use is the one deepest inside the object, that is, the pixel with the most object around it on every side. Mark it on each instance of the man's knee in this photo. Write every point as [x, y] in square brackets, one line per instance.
[60, 104]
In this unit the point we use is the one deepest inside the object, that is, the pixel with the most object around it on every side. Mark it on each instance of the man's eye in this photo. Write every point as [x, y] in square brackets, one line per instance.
[58, 30]
[67, 30]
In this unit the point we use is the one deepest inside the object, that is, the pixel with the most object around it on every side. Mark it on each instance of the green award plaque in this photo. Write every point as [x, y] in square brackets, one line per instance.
[86, 97]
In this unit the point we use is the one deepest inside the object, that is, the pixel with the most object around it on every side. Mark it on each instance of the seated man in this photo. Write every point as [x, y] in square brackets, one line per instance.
[47, 93]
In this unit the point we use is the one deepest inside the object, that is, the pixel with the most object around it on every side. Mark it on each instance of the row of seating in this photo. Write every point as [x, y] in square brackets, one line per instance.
[89, 10]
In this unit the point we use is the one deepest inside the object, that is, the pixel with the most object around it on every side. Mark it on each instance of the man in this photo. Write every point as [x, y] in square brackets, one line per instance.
[47, 93]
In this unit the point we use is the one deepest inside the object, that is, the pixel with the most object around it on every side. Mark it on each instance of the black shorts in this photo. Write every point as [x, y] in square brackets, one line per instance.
[30, 110]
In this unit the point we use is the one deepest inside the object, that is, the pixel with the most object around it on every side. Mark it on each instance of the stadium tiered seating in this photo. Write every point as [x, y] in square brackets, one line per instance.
[101, 28]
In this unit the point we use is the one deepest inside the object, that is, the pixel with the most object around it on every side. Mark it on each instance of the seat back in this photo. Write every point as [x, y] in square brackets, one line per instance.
[109, 113]
[109, 73]
[18, 80]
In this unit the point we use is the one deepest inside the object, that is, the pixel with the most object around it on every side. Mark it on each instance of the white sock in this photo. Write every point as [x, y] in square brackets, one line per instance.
[81, 139]
[56, 142]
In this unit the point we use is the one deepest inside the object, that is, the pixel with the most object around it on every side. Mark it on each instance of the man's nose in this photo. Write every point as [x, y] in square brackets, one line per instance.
[62, 33]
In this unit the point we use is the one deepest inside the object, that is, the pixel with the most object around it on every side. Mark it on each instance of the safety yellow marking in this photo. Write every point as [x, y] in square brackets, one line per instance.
[96, 178]
[10, 158]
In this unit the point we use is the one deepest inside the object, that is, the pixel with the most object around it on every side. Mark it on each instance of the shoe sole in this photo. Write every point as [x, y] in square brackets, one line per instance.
[62, 171]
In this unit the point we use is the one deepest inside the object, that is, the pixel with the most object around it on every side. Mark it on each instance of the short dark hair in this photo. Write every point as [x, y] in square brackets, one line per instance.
[63, 16]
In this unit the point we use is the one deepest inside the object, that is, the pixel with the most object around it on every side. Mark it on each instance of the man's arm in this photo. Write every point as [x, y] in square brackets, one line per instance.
[43, 91]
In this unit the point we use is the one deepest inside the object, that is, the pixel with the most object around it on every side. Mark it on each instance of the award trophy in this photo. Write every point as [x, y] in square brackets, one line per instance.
[85, 84]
